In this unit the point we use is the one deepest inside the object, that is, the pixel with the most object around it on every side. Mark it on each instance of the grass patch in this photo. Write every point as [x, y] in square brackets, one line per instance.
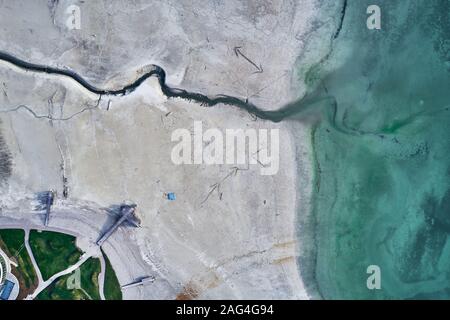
[89, 290]
[12, 242]
[112, 288]
[53, 251]
[90, 271]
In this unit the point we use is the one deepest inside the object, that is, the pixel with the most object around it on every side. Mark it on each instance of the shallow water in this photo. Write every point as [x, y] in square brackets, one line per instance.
[383, 168]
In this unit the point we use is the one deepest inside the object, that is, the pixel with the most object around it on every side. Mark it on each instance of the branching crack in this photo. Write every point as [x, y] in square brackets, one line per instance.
[50, 117]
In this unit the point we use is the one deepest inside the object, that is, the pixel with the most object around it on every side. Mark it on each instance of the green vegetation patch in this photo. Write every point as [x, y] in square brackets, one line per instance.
[82, 284]
[112, 288]
[90, 270]
[12, 242]
[53, 251]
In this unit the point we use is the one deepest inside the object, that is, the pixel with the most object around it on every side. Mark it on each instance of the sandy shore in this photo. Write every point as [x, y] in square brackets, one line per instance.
[231, 233]
[239, 243]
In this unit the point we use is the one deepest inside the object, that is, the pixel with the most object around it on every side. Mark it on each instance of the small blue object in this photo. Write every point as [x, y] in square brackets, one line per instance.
[7, 289]
[171, 196]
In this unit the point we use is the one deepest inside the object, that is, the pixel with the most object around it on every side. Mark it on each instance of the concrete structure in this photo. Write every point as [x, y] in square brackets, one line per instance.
[127, 212]
[2, 271]
[48, 205]
[5, 267]
[6, 290]
[11, 288]
[139, 282]
[9, 285]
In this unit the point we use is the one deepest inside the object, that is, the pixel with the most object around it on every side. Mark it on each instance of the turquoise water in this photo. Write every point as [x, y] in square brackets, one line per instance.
[382, 191]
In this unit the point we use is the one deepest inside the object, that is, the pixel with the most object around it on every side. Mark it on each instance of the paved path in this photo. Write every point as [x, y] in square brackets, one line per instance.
[42, 285]
[87, 225]
[101, 278]
[69, 270]
[33, 260]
